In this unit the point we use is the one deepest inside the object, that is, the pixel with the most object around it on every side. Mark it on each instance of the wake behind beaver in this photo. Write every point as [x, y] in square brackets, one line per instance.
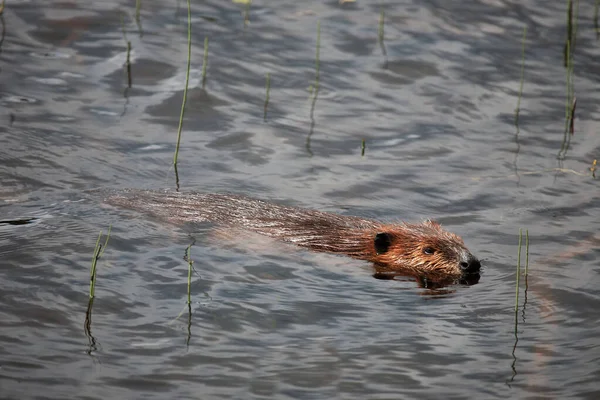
[415, 249]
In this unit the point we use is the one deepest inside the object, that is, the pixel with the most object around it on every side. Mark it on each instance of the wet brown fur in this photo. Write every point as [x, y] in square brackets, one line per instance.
[391, 247]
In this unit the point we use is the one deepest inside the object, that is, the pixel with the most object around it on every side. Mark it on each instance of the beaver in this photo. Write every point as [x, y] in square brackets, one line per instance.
[418, 248]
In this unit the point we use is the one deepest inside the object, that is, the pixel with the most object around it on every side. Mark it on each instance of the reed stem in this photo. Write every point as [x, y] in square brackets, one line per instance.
[518, 270]
[187, 80]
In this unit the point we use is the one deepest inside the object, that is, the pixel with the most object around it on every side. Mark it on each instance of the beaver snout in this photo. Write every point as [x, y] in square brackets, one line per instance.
[470, 264]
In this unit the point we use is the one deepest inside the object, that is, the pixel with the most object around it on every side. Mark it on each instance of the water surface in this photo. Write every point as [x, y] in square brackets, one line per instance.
[437, 113]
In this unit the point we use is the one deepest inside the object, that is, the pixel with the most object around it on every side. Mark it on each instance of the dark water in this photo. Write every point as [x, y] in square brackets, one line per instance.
[438, 118]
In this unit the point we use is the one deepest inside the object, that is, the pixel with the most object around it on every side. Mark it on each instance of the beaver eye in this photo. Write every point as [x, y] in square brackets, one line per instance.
[428, 250]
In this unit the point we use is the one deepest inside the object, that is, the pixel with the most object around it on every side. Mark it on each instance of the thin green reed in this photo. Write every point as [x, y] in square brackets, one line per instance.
[268, 90]
[187, 80]
[138, 6]
[569, 85]
[518, 271]
[128, 64]
[526, 253]
[98, 252]
[569, 42]
[204, 62]
[128, 56]
[575, 24]
[518, 109]
[247, 13]
[318, 57]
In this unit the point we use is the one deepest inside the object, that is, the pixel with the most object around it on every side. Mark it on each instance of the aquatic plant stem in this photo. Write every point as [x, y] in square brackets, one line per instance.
[526, 253]
[247, 13]
[138, 21]
[128, 55]
[596, 26]
[187, 80]
[98, 252]
[518, 270]
[569, 42]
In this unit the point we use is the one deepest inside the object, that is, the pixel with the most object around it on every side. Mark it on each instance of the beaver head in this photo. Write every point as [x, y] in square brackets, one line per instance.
[423, 248]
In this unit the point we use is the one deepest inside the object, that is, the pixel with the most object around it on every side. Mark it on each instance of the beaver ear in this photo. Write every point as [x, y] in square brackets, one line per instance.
[382, 242]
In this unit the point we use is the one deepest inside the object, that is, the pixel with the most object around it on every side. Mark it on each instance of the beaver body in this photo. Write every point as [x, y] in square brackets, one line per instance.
[423, 248]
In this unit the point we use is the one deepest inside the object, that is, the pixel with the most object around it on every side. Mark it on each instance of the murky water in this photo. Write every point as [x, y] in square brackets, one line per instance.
[437, 114]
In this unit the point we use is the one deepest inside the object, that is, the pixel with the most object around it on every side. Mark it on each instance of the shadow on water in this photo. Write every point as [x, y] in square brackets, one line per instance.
[19, 221]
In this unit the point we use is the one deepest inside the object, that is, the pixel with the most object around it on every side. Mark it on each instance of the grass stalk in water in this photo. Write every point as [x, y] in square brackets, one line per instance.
[518, 109]
[526, 254]
[570, 105]
[2, 35]
[138, 6]
[518, 270]
[569, 41]
[268, 90]
[128, 56]
[247, 13]
[87, 326]
[98, 252]
[363, 146]
[204, 62]
[187, 80]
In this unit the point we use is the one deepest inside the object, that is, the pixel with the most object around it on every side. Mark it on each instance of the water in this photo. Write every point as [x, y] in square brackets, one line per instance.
[437, 115]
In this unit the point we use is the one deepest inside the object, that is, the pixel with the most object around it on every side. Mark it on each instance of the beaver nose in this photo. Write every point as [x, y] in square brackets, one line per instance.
[470, 264]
